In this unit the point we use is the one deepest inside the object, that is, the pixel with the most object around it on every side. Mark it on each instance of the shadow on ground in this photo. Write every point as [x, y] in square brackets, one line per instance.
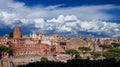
[76, 63]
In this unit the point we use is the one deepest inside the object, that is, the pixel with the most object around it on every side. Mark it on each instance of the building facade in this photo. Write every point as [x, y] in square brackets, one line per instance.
[37, 44]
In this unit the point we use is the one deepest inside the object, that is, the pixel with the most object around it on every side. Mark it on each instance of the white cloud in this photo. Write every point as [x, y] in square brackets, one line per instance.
[71, 17]
[52, 20]
[60, 18]
[94, 26]
[68, 19]
[7, 18]
[64, 29]
[39, 23]
[54, 6]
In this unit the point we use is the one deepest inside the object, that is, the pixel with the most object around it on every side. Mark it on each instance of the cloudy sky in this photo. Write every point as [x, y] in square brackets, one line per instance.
[69, 18]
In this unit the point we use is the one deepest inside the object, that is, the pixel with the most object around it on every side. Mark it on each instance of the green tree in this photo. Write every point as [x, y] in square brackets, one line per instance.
[5, 49]
[10, 35]
[44, 59]
[72, 51]
[77, 56]
[95, 55]
[115, 45]
[114, 52]
[84, 50]
[110, 54]
[104, 46]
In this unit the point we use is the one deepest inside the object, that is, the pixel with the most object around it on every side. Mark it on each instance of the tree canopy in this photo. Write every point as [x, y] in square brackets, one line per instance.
[84, 49]
[72, 51]
[10, 35]
[115, 45]
[44, 59]
[95, 55]
[6, 49]
[104, 46]
[114, 52]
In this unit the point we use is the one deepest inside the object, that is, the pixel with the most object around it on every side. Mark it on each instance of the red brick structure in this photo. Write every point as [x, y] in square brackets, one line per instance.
[35, 49]
[28, 45]
[23, 46]
[16, 33]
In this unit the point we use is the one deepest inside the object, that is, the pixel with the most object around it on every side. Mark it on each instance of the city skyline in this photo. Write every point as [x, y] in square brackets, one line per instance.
[67, 18]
